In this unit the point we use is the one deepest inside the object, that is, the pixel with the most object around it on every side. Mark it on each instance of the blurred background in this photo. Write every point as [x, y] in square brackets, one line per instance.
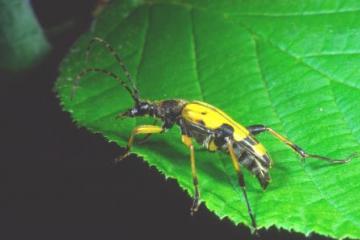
[59, 181]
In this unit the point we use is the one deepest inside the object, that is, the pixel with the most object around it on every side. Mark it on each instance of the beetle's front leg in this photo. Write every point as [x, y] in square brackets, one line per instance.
[142, 129]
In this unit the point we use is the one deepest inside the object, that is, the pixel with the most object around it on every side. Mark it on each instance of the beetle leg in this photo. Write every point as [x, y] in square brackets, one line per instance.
[188, 142]
[256, 129]
[142, 129]
[146, 137]
[241, 181]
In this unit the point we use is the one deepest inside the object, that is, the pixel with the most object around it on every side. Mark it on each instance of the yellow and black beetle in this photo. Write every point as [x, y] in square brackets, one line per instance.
[208, 125]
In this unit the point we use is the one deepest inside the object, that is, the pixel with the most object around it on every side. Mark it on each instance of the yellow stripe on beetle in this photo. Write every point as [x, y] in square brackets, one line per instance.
[259, 149]
[212, 118]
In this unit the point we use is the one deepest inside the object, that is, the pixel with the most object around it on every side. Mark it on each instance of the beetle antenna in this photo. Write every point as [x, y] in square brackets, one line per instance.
[133, 93]
[117, 58]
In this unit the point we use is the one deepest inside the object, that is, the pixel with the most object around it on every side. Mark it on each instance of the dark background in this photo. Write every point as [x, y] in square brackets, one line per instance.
[59, 182]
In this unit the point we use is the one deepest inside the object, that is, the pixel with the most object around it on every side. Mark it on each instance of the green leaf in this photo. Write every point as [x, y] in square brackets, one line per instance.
[291, 66]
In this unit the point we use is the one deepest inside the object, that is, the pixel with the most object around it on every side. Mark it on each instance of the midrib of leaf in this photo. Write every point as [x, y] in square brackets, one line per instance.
[198, 85]
[198, 78]
[194, 50]
[145, 40]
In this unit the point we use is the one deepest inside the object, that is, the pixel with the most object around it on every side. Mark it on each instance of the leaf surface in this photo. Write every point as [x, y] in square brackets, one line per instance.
[293, 67]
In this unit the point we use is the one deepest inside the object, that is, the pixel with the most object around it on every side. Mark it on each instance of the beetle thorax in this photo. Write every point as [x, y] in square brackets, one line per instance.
[169, 109]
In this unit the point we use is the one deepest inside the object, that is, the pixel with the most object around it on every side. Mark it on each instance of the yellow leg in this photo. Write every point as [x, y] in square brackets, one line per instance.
[142, 129]
[256, 129]
[147, 136]
[188, 142]
[241, 181]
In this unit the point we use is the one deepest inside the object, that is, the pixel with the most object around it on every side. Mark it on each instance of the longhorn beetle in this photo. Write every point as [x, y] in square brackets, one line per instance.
[208, 125]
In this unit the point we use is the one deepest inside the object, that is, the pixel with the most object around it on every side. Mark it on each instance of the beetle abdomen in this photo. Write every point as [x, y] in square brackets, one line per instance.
[257, 165]
[211, 127]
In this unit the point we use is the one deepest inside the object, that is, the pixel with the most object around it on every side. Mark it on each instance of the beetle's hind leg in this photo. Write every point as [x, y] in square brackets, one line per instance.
[142, 129]
[188, 142]
[256, 129]
[241, 181]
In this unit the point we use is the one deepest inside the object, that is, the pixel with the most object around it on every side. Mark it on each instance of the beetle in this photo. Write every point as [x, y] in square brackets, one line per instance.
[208, 125]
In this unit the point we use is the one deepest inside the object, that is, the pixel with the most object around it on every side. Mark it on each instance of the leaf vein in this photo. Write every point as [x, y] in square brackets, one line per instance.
[195, 54]
[309, 175]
